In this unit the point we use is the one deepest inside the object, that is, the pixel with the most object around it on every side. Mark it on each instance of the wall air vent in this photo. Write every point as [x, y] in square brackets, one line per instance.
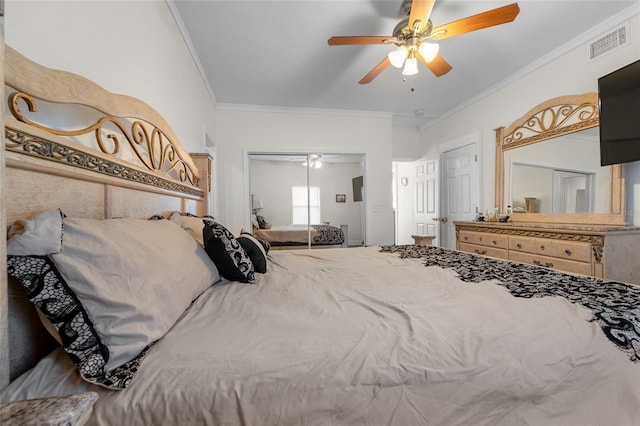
[611, 41]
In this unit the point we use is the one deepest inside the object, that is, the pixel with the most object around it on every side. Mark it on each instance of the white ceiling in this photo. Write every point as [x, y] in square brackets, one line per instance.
[274, 54]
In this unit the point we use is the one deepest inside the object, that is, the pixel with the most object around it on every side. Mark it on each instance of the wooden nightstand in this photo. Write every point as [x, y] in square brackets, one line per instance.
[423, 240]
[72, 410]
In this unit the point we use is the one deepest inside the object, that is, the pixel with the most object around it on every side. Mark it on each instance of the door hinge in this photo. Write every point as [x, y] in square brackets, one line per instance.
[475, 156]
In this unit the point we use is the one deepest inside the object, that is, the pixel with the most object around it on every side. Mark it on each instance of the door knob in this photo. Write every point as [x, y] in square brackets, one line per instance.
[440, 219]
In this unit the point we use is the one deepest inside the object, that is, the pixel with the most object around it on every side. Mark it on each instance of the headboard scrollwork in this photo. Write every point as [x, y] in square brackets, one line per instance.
[118, 123]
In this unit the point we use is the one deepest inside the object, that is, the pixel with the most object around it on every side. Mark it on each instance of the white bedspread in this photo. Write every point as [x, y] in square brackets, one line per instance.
[353, 336]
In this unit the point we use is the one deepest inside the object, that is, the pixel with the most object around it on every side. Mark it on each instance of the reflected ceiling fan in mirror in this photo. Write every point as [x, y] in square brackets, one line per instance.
[415, 37]
[313, 161]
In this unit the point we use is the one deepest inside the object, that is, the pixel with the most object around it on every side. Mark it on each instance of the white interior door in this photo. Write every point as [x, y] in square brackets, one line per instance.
[460, 190]
[404, 194]
[425, 214]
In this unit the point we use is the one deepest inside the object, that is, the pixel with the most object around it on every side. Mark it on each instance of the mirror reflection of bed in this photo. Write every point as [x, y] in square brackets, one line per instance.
[307, 200]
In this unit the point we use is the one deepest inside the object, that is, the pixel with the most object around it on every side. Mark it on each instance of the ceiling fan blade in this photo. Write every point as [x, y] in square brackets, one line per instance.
[348, 40]
[438, 65]
[420, 10]
[375, 71]
[498, 16]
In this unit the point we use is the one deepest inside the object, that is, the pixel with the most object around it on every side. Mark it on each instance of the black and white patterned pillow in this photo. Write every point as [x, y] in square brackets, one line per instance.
[47, 289]
[255, 250]
[226, 252]
[266, 245]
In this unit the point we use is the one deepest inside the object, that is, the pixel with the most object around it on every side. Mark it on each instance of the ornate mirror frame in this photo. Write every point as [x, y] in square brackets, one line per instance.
[556, 117]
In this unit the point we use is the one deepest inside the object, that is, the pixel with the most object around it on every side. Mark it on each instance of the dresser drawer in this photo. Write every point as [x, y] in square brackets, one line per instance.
[496, 241]
[524, 244]
[484, 250]
[551, 262]
[571, 250]
[542, 246]
[470, 237]
[484, 239]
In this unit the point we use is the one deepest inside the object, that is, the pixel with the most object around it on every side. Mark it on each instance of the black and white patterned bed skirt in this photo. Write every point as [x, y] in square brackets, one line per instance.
[328, 235]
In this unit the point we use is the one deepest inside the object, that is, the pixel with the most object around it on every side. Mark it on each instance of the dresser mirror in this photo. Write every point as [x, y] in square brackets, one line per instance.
[548, 166]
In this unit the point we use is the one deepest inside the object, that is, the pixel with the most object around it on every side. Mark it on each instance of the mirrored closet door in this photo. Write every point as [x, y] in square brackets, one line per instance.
[313, 200]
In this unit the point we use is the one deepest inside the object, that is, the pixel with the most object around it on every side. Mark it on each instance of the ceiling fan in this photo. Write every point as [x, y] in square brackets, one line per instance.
[414, 36]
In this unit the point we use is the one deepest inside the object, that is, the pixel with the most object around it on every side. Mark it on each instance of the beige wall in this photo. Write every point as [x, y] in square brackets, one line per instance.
[129, 47]
[405, 144]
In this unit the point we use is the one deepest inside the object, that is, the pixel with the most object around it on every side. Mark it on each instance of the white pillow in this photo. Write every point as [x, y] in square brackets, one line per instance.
[125, 282]
[37, 237]
[192, 224]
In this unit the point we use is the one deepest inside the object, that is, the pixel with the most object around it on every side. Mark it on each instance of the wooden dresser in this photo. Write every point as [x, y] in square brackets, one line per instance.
[611, 252]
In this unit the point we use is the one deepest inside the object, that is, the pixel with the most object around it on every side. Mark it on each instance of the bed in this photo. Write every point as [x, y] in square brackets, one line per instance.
[293, 235]
[392, 335]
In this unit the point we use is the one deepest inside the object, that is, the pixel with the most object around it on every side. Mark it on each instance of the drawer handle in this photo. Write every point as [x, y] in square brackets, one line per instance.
[481, 251]
[519, 245]
[494, 242]
[541, 246]
[480, 238]
[465, 238]
[568, 252]
[537, 262]
[549, 265]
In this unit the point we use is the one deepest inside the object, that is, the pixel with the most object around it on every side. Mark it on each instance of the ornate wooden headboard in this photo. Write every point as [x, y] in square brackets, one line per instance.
[73, 145]
[123, 144]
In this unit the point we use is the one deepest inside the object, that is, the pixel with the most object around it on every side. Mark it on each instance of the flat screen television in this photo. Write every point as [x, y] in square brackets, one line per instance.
[619, 94]
[357, 184]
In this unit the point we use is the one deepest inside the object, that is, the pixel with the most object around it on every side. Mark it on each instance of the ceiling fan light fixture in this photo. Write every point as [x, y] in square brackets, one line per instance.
[410, 66]
[398, 56]
[314, 161]
[412, 32]
[429, 50]
[315, 164]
